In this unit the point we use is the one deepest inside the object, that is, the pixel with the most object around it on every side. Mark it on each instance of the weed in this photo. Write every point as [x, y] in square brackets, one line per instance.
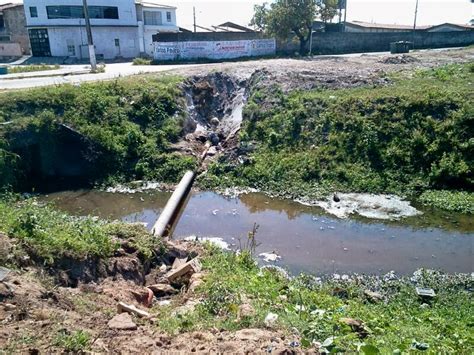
[31, 68]
[142, 61]
[72, 342]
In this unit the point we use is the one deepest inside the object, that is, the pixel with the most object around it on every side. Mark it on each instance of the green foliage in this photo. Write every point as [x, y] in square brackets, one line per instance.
[76, 341]
[142, 61]
[138, 237]
[407, 138]
[313, 308]
[128, 124]
[31, 68]
[51, 235]
[456, 201]
[285, 18]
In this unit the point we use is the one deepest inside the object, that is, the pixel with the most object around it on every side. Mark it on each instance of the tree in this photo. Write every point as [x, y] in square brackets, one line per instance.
[328, 9]
[286, 17]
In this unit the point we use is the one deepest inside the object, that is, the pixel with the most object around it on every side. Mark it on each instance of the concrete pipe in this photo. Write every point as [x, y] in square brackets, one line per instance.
[165, 223]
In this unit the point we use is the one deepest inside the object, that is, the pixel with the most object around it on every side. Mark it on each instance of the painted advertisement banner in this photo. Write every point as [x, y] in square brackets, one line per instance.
[214, 49]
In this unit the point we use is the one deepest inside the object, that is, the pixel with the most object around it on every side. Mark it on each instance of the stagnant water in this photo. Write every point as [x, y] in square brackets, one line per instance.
[306, 238]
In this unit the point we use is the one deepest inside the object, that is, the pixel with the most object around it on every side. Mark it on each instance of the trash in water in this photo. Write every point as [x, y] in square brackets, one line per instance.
[214, 212]
[270, 257]
[218, 242]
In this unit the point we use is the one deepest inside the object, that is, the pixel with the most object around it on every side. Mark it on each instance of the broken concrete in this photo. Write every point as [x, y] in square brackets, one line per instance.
[122, 321]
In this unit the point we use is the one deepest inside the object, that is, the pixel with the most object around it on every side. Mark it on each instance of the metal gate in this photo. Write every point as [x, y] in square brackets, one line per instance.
[39, 41]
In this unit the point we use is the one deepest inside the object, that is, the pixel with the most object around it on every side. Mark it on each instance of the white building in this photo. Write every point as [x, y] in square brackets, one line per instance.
[120, 28]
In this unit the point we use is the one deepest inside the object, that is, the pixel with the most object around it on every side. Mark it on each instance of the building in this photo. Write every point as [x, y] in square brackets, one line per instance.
[14, 40]
[152, 19]
[120, 29]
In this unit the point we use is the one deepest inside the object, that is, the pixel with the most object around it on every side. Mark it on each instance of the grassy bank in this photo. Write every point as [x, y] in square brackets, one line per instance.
[31, 68]
[335, 314]
[319, 309]
[123, 131]
[48, 235]
[406, 138]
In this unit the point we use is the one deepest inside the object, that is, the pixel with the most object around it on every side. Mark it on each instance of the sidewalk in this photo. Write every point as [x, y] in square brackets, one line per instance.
[76, 74]
[63, 71]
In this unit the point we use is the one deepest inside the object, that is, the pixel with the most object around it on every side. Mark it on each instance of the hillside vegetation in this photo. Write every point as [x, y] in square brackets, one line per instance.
[412, 136]
[128, 126]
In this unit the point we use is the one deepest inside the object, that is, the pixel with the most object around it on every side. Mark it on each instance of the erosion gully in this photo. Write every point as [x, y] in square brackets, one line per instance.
[306, 239]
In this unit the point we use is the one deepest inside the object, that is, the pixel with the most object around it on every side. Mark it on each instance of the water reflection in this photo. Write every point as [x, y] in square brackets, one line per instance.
[306, 238]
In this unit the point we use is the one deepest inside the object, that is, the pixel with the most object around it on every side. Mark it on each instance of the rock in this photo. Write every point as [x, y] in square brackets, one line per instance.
[4, 273]
[356, 325]
[5, 291]
[212, 151]
[246, 310]
[123, 307]
[373, 296]
[122, 321]
[186, 270]
[144, 296]
[215, 122]
[178, 262]
[162, 290]
[195, 281]
[213, 138]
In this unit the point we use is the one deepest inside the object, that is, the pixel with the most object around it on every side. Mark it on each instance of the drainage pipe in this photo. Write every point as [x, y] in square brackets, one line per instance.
[168, 218]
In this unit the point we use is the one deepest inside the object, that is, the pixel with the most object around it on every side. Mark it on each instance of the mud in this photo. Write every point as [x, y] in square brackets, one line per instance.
[37, 309]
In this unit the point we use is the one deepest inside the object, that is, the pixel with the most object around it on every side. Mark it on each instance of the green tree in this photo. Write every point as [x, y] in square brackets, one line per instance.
[284, 18]
[328, 9]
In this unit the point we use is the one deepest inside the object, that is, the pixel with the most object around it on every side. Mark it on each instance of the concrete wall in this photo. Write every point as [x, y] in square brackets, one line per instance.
[15, 27]
[104, 39]
[10, 50]
[338, 43]
[206, 36]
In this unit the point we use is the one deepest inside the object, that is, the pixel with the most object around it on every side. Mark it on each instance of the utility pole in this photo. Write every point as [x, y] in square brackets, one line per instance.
[194, 15]
[345, 16]
[414, 23]
[89, 37]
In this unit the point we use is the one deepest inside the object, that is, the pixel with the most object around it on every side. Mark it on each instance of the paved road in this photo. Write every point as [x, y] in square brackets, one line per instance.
[112, 71]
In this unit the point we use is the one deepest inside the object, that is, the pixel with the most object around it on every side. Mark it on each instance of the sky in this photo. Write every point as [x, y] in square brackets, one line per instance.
[401, 12]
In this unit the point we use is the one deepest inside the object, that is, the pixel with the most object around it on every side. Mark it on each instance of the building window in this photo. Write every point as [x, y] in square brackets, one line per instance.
[95, 12]
[152, 18]
[2, 21]
[117, 42]
[33, 11]
[168, 16]
[4, 38]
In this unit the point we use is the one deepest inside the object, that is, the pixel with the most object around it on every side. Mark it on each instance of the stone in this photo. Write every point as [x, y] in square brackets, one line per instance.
[270, 319]
[162, 290]
[144, 296]
[373, 296]
[5, 291]
[123, 307]
[246, 310]
[215, 122]
[178, 262]
[356, 325]
[122, 321]
[212, 151]
[191, 267]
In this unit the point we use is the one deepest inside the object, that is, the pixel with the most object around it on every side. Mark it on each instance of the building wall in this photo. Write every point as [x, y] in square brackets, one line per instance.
[206, 36]
[126, 11]
[447, 28]
[10, 50]
[339, 43]
[104, 40]
[15, 27]
[351, 28]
